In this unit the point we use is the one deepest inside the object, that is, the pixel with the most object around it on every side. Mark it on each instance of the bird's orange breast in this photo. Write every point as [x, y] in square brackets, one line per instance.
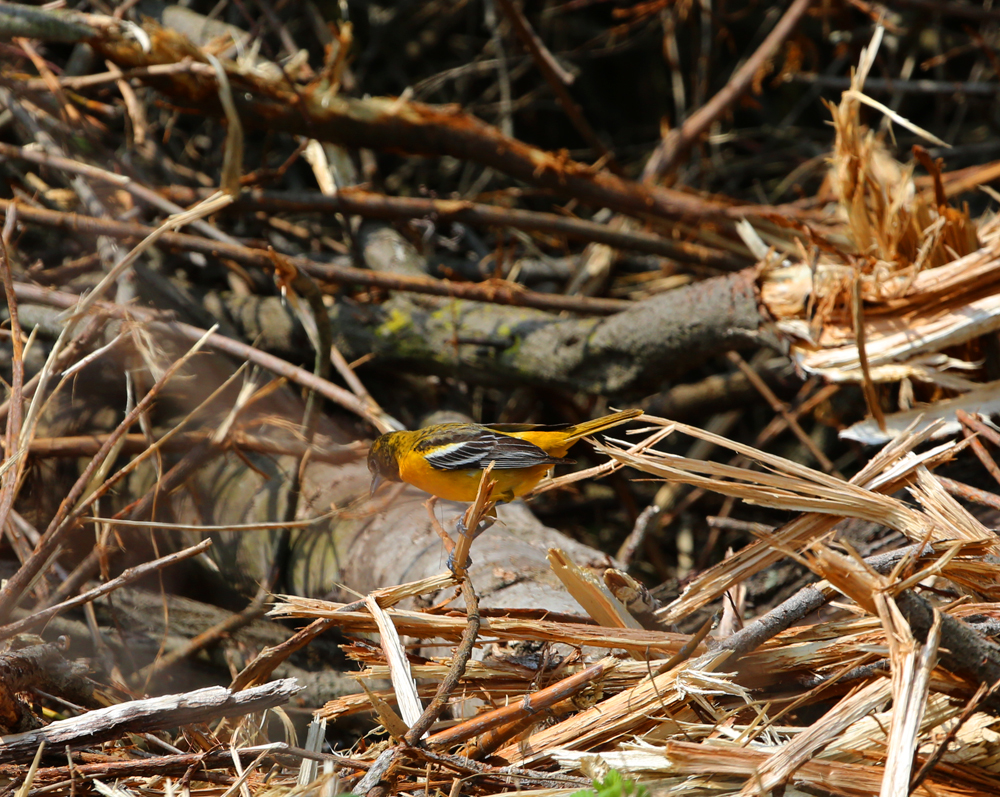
[462, 485]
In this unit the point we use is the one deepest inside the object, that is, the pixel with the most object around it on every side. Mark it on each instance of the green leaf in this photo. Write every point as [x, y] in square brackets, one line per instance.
[614, 785]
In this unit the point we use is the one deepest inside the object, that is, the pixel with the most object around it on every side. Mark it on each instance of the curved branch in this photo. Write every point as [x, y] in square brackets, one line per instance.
[677, 142]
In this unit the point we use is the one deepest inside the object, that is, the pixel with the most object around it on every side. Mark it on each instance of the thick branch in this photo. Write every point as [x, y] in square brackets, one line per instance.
[389, 124]
[656, 339]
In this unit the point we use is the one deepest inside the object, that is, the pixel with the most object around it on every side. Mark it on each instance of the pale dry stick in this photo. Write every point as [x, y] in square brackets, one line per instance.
[420, 624]
[782, 409]
[900, 120]
[127, 577]
[911, 666]
[300, 376]
[12, 478]
[96, 354]
[29, 779]
[232, 156]
[151, 714]
[12, 591]
[403, 684]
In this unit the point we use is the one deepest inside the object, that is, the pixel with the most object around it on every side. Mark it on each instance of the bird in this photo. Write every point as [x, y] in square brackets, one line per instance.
[448, 459]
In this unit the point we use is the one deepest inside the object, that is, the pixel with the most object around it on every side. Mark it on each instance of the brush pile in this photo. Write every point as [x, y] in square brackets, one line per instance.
[235, 249]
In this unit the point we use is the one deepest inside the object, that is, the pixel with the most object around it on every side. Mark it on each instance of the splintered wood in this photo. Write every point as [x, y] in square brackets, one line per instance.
[897, 287]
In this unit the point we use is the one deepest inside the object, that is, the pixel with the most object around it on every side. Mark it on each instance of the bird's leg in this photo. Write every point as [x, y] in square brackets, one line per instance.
[488, 520]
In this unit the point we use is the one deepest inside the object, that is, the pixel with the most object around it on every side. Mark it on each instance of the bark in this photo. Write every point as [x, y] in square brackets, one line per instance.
[656, 339]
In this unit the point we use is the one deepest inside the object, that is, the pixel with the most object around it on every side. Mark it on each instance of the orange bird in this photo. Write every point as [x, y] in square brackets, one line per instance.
[448, 459]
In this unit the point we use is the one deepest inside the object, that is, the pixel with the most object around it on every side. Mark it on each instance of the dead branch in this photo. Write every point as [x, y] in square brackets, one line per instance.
[356, 201]
[326, 272]
[143, 716]
[657, 338]
[386, 123]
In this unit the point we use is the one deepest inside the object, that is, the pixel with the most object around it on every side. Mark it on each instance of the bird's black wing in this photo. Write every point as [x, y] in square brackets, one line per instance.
[476, 447]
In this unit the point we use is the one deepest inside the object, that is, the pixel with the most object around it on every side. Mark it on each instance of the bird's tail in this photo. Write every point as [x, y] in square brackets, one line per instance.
[574, 433]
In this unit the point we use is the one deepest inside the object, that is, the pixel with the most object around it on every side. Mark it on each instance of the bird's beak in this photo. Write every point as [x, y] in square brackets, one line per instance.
[377, 480]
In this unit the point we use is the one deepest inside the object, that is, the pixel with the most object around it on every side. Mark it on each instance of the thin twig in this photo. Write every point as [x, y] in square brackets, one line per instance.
[62, 522]
[12, 474]
[461, 658]
[131, 575]
[557, 79]
[677, 142]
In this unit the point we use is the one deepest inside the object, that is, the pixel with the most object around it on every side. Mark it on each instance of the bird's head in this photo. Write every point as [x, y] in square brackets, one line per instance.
[382, 462]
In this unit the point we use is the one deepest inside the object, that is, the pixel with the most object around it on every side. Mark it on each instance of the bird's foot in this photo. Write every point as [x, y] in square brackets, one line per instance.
[451, 563]
[463, 531]
[484, 524]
